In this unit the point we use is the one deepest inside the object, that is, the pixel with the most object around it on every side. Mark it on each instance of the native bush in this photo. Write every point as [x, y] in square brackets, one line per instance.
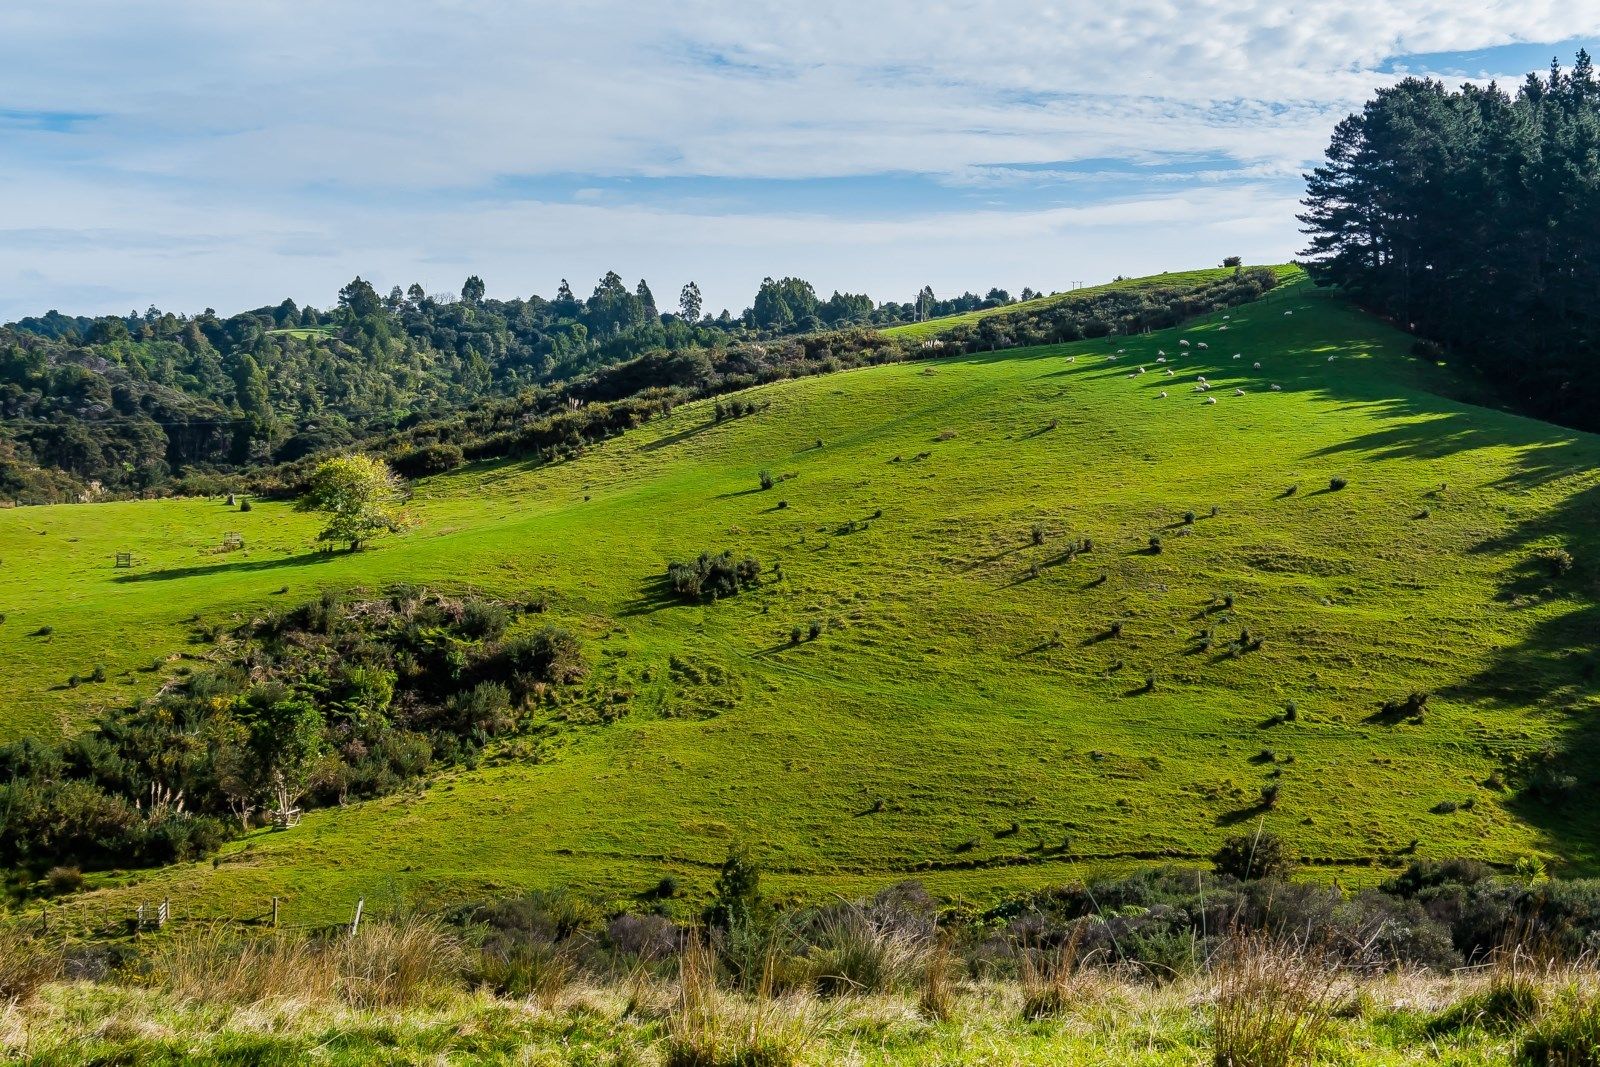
[712, 577]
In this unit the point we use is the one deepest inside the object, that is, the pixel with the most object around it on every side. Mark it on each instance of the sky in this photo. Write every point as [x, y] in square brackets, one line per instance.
[227, 155]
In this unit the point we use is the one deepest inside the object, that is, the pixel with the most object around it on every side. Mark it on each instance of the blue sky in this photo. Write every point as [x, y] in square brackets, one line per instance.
[192, 154]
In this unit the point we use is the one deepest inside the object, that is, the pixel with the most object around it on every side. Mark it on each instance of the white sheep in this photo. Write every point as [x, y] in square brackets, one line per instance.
[1257, 366]
[1203, 345]
[1211, 400]
[1163, 394]
[1288, 313]
[1111, 359]
[1332, 358]
[1121, 350]
[1161, 359]
[1072, 359]
[1161, 351]
[1277, 388]
[1141, 370]
[1183, 344]
[1224, 326]
[1200, 378]
[1238, 392]
[1237, 355]
[1171, 373]
[1225, 318]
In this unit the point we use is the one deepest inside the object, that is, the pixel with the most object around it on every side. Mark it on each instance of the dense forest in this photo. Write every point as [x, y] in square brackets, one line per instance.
[164, 402]
[1472, 218]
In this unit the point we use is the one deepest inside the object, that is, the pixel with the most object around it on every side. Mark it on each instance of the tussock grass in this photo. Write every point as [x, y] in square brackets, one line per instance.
[711, 1027]
[1272, 1003]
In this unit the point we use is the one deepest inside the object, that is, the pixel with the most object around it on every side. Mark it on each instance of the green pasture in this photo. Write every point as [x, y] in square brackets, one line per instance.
[965, 716]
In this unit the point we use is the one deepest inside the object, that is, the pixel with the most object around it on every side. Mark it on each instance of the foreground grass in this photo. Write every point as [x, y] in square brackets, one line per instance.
[1389, 1021]
[967, 715]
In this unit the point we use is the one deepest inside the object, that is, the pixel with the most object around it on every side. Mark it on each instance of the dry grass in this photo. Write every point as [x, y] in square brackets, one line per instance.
[710, 1027]
[386, 964]
[1272, 1002]
[26, 964]
[1053, 980]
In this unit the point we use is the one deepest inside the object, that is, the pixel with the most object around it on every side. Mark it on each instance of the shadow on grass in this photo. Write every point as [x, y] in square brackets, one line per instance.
[310, 559]
[681, 435]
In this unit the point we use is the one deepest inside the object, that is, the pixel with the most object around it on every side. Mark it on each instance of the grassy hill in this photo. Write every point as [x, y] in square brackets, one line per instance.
[922, 331]
[966, 716]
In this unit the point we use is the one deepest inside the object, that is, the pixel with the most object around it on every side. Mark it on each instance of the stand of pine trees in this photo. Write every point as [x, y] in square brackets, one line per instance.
[1472, 218]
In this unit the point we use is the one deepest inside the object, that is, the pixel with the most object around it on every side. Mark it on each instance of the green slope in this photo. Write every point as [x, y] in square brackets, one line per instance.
[940, 687]
[922, 331]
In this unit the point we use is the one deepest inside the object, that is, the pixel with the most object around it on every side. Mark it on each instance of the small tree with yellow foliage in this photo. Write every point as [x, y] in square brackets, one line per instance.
[361, 496]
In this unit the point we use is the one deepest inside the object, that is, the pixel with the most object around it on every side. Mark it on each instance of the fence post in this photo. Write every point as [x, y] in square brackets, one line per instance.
[355, 924]
[274, 913]
[161, 916]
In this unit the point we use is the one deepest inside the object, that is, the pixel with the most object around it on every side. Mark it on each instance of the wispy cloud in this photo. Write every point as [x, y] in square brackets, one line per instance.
[190, 153]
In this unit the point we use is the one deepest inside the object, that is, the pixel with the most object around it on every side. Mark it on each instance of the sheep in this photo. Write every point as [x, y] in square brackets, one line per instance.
[1211, 400]
[1202, 344]
[1072, 359]
[1171, 373]
[1121, 350]
[1237, 355]
[1183, 344]
[1288, 312]
[1277, 388]
[1163, 394]
[1161, 359]
[1161, 351]
[1238, 392]
[1141, 370]
[1224, 326]
[1225, 318]
[1111, 359]
[1200, 378]
[1257, 366]
[1332, 358]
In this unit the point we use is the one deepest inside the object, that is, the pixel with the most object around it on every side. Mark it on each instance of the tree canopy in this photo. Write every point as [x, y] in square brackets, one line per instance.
[360, 495]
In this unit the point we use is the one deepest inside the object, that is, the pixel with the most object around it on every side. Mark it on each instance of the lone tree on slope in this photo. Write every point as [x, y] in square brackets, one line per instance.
[359, 494]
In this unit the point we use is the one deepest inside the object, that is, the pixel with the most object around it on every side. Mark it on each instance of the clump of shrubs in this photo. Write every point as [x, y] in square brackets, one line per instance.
[1558, 561]
[767, 480]
[712, 577]
[1038, 532]
[1337, 483]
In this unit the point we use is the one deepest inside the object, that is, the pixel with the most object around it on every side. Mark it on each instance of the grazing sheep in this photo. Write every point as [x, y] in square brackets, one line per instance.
[1211, 400]
[1224, 326]
[1141, 370]
[1238, 392]
[1111, 359]
[1203, 345]
[1171, 373]
[1258, 366]
[1332, 358]
[1200, 378]
[1161, 351]
[1288, 313]
[1225, 318]
[1121, 350]
[1161, 359]
[1183, 344]
[1236, 355]
[1072, 359]
[1163, 394]
[1277, 388]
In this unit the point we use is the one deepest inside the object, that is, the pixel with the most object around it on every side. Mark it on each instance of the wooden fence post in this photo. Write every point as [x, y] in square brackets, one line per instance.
[274, 913]
[355, 924]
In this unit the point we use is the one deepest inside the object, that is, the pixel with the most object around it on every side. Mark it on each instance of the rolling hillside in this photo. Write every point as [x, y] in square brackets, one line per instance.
[980, 710]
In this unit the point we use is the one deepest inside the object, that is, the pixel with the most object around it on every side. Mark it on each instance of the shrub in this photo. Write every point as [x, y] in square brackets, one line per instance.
[63, 880]
[1558, 561]
[795, 634]
[1155, 544]
[767, 480]
[549, 654]
[98, 674]
[1248, 856]
[1269, 794]
[712, 576]
[1188, 518]
[1038, 534]
[428, 459]
[815, 629]
[484, 620]
[244, 505]
[1337, 483]
[1291, 711]
[854, 951]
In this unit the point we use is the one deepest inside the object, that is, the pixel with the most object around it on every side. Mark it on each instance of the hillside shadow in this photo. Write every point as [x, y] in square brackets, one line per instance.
[675, 438]
[168, 574]
[655, 594]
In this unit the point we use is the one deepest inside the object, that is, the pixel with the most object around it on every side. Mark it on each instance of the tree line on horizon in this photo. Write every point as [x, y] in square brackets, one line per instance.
[1471, 217]
[115, 405]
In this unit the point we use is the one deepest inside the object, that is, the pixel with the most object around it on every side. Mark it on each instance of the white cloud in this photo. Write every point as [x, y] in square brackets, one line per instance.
[246, 150]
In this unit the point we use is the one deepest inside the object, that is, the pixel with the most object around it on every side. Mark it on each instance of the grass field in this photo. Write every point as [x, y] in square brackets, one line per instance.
[921, 331]
[939, 708]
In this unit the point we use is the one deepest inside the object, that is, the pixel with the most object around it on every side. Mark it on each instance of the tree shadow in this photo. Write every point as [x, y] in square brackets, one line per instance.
[681, 435]
[168, 574]
[655, 595]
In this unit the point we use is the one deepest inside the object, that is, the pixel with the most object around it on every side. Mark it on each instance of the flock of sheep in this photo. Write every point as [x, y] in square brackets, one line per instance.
[1201, 385]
